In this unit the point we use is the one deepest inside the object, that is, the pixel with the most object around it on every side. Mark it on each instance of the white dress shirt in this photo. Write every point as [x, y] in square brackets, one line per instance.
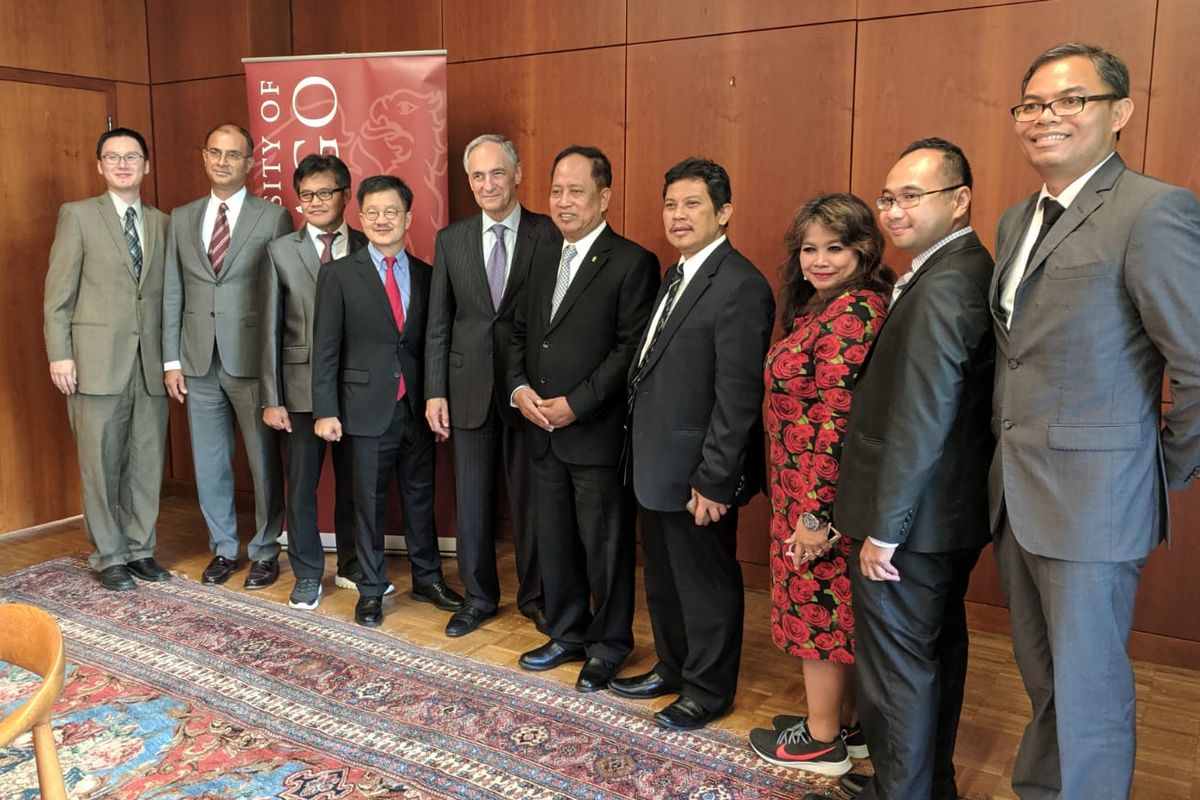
[138, 220]
[690, 267]
[233, 207]
[341, 245]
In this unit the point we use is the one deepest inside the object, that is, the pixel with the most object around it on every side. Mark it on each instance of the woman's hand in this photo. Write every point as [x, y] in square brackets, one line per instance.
[805, 545]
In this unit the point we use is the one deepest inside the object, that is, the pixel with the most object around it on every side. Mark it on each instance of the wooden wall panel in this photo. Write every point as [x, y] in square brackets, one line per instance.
[528, 100]
[475, 29]
[363, 26]
[652, 20]
[133, 111]
[205, 40]
[869, 9]
[40, 474]
[904, 93]
[738, 111]
[1171, 151]
[183, 114]
[94, 38]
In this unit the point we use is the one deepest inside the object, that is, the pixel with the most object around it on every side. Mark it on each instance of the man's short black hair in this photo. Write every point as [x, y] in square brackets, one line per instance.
[955, 167]
[385, 183]
[713, 174]
[316, 163]
[233, 126]
[115, 132]
[601, 166]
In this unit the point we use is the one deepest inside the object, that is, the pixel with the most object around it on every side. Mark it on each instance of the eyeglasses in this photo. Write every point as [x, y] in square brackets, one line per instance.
[233, 156]
[372, 214]
[132, 159]
[909, 199]
[324, 194]
[1062, 107]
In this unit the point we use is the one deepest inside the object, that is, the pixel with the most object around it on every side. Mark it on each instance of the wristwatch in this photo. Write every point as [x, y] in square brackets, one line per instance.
[809, 520]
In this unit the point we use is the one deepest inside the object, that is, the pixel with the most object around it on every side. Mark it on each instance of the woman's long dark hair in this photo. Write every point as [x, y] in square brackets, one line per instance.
[853, 222]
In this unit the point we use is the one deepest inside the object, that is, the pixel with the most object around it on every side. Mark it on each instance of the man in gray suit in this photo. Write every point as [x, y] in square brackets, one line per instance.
[288, 293]
[103, 313]
[480, 268]
[211, 344]
[1091, 304]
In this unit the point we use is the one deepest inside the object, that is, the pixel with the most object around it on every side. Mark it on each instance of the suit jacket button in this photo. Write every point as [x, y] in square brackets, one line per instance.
[542, 381]
[546, 345]
[395, 374]
[1007, 424]
[212, 313]
[1013, 363]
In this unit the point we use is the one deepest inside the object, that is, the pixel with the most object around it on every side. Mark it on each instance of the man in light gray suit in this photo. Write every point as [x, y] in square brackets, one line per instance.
[288, 292]
[211, 344]
[1091, 304]
[103, 311]
[480, 268]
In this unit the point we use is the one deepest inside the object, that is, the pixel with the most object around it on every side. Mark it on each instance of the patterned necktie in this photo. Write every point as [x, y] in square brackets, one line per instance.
[218, 246]
[327, 251]
[564, 278]
[668, 303]
[131, 239]
[393, 294]
[495, 265]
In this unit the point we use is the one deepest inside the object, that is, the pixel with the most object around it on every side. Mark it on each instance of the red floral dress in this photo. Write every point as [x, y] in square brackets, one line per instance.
[810, 375]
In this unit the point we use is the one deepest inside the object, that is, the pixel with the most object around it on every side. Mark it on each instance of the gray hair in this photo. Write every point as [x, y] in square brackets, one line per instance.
[1109, 66]
[510, 149]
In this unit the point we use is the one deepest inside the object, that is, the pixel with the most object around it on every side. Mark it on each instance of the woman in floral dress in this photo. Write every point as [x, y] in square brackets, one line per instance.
[834, 297]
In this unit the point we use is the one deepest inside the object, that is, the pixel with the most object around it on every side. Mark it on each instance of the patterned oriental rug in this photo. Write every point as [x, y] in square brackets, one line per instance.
[182, 690]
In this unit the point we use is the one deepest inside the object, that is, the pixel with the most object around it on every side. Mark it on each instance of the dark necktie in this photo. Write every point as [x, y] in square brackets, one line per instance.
[1051, 211]
[496, 262]
[675, 281]
[131, 239]
[393, 294]
[327, 250]
[218, 246]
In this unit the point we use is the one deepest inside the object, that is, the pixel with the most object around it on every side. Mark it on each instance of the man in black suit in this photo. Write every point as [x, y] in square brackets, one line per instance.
[480, 267]
[696, 447]
[572, 342]
[912, 492]
[288, 291]
[369, 339]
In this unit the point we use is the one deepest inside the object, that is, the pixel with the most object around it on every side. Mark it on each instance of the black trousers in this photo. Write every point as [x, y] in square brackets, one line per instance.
[305, 456]
[405, 449]
[477, 460]
[586, 545]
[910, 652]
[695, 597]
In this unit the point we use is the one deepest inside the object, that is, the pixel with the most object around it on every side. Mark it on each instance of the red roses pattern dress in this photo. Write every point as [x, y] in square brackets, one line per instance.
[810, 375]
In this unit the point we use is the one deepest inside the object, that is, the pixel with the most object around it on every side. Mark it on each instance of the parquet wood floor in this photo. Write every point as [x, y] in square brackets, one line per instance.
[994, 712]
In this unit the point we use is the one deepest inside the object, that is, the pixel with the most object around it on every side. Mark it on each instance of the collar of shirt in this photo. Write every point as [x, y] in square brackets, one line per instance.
[341, 245]
[691, 266]
[510, 223]
[401, 272]
[138, 220]
[233, 204]
[1068, 194]
[923, 257]
[583, 246]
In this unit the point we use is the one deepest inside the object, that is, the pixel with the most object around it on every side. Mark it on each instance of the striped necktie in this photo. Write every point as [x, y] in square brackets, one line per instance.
[218, 246]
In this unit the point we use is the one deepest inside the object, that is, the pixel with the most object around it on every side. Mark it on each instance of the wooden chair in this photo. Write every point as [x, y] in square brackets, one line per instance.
[30, 638]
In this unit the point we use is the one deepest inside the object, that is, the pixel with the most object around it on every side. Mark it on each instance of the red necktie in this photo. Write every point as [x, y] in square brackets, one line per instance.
[327, 240]
[218, 246]
[393, 293]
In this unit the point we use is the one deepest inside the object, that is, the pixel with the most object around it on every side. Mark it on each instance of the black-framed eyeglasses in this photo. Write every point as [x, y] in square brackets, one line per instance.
[1067, 106]
[232, 156]
[324, 194]
[909, 199]
[132, 159]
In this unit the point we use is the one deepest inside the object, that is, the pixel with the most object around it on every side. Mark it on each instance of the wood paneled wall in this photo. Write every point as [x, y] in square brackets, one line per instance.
[793, 96]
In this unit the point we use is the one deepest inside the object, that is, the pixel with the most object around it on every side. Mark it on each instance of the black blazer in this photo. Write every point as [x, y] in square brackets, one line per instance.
[466, 349]
[918, 445]
[696, 417]
[359, 353]
[585, 351]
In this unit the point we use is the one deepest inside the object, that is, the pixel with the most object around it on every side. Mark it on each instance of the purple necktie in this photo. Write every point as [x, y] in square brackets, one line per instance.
[327, 240]
[495, 266]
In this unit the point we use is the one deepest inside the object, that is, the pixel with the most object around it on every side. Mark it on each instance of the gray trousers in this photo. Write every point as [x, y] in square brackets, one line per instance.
[214, 401]
[120, 439]
[1070, 629]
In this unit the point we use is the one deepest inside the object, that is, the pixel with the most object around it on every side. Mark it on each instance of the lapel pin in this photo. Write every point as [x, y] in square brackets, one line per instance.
[593, 259]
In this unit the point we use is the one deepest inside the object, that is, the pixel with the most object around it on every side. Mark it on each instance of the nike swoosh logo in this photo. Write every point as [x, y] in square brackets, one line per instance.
[784, 755]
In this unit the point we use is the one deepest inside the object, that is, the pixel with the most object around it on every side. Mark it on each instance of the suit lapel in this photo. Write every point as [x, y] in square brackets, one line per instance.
[151, 226]
[522, 254]
[247, 220]
[471, 245]
[692, 293]
[194, 217]
[364, 268]
[593, 261]
[108, 216]
[307, 253]
[418, 289]
[1005, 259]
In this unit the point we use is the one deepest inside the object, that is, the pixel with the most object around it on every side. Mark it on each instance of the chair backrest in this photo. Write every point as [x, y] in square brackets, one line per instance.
[31, 639]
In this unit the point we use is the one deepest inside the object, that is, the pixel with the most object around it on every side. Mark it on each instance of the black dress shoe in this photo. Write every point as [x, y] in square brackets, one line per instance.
[642, 687]
[116, 578]
[853, 783]
[465, 620]
[538, 617]
[148, 570]
[440, 595]
[551, 655]
[685, 714]
[595, 675]
[219, 570]
[368, 611]
[262, 574]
